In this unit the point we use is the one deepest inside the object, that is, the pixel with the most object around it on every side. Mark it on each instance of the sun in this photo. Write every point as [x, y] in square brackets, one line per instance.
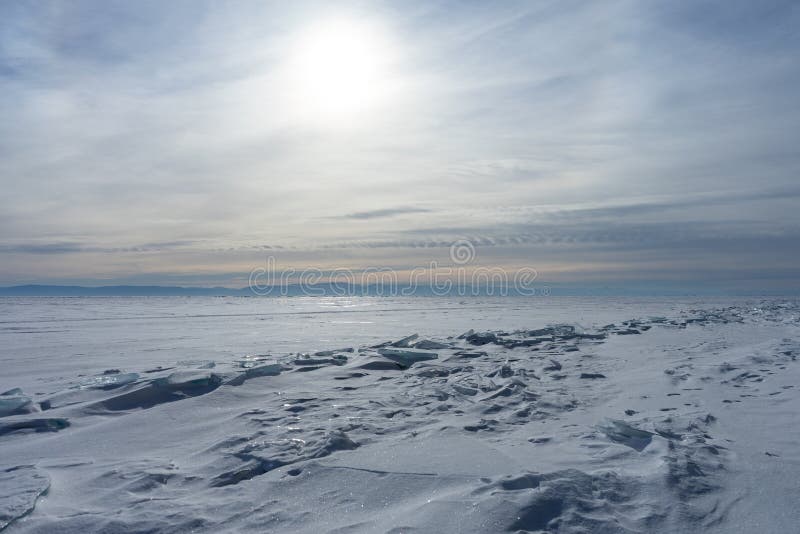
[339, 68]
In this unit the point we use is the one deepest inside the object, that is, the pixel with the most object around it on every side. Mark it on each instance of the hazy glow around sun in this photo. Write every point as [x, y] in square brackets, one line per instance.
[339, 68]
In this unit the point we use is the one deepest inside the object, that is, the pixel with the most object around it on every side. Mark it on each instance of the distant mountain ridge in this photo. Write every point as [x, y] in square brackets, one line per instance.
[328, 290]
[35, 290]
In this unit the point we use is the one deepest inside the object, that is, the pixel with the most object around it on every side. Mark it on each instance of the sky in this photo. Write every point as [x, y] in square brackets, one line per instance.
[602, 143]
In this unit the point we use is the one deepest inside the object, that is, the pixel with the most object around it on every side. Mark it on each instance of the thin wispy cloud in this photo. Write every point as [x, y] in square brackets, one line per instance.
[382, 213]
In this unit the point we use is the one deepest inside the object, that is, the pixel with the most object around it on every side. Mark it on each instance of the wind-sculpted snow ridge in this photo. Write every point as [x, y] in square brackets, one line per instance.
[20, 487]
[654, 424]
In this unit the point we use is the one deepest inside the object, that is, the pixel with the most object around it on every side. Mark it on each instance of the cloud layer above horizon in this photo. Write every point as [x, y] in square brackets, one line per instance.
[597, 142]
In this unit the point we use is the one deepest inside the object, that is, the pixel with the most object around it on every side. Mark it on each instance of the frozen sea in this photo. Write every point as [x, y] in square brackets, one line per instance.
[378, 414]
[44, 336]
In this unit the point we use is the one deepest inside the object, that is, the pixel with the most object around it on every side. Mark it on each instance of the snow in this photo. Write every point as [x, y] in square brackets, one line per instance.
[547, 415]
[19, 488]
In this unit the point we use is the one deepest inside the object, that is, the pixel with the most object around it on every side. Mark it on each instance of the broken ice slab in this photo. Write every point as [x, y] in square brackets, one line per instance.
[466, 334]
[253, 361]
[271, 369]
[324, 353]
[468, 354]
[552, 330]
[197, 364]
[336, 360]
[380, 364]
[407, 357]
[35, 425]
[406, 341]
[564, 332]
[109, 381]
[464, 390]
[554, 366]
[427, 344]
[15, 404]
[625, 434]
[482, 338]
[180, 380]
[627, 332]
[592, 376]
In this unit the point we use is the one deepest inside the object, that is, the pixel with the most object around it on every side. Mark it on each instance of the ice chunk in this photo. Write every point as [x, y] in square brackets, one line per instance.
[181, 380]
[406, 341]
[380, 364]
[37, 425]
[622, 432]
[407, 357]
[110, 381]
[336, 360]
[464, 390]
[253, 360]
[466, 334]
[332, 442]
[483, 338]
[555, 365]
[198, 364]
[15, 404]
[427, 344]
[271, 369]
[323, 353]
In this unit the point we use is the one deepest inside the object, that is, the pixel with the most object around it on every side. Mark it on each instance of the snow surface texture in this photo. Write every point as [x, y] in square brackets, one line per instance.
[683, 423]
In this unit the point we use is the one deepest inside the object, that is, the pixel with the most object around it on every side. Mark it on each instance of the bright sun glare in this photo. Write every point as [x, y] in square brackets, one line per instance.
[338, 68]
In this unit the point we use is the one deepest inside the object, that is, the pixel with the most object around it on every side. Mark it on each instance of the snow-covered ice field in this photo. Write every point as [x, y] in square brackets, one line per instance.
[575, 415]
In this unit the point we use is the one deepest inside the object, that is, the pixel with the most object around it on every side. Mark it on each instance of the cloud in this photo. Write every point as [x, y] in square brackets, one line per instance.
[78, 248]
[46, 248]
[561, 129]
[386, 212]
